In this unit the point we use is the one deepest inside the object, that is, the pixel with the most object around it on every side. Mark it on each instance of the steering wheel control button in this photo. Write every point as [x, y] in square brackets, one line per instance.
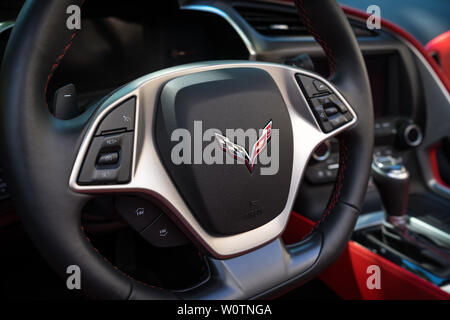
[108, 160]
[330, 112]
[322, 152]
[338, 121]
[138, 212]
[312, 87]
[112, 142]
[65, 105]
[119, 119]
[338, 103]
[321, 87]
[321, 115]
[164, 233]
[321, 175]
[307, 84]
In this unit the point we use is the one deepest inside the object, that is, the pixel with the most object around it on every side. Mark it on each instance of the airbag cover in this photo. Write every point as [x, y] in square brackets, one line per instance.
[227, 198]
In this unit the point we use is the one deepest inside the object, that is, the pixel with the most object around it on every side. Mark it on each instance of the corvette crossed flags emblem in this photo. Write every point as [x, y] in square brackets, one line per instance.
[239, 152]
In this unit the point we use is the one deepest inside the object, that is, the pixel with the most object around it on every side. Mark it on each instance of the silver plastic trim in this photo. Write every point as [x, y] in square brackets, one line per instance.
[149, 175]
[419, 136]
[244, 278]
[428, 230]
[414, 224]
[367, 220]
[432, 183]
[446, 288]
[428, 67]
[438, 188]
[211, 9]
[6, 25]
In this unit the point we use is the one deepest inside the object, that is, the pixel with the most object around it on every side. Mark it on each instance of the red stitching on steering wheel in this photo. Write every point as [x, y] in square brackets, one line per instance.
[49, 77]
[305, 18]
[59, 59]
[337, 187]
[343, 148]
[127, 275]
[116, 268]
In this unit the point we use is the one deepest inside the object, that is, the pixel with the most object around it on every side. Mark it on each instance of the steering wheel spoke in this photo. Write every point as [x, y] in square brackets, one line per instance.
[256, 273]
[120, 152]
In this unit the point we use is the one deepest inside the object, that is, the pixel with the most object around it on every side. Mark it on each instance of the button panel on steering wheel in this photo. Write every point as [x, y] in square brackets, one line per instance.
[330, 112]
[109, 158]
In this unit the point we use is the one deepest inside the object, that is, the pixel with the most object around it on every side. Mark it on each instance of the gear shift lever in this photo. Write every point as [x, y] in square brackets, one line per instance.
[392, 181]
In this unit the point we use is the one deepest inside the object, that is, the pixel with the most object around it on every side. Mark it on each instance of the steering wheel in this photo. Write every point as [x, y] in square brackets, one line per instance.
[233, 214]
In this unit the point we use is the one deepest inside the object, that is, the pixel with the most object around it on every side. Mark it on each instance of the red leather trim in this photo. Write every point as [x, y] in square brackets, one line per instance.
[348, 277]
[408, 37]
[297, 228]
[435, 167]
[441, 45]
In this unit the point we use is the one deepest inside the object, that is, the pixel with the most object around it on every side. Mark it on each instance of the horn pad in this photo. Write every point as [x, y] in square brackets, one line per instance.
[226, 198]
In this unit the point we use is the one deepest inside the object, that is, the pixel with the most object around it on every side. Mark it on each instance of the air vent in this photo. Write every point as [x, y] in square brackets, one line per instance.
[285, 21]
[361, 30]
[271, 22]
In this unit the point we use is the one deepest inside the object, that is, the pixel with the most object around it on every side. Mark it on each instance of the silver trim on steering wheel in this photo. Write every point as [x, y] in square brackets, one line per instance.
[149, 175]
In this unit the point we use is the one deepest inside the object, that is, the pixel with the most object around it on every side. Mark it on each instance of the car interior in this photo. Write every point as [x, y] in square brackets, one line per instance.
[355, 119]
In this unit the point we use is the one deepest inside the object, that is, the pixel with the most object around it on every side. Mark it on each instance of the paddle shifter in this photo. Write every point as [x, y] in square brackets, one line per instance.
[392, 181]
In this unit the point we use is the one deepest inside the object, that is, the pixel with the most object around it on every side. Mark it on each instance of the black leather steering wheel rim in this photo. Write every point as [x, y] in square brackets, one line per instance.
[51, 211]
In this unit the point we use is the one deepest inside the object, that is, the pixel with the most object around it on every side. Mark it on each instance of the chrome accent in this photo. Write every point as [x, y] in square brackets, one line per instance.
[150, 176]
[239, 152]
[428, 230]
[211, 9]
[279, 27]
[391, 167]
[438, 188]
[419, 139]
[446, 288]
[6, 25]
[368, 220]
[250, 276]
[333, 166]
[325, 156]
